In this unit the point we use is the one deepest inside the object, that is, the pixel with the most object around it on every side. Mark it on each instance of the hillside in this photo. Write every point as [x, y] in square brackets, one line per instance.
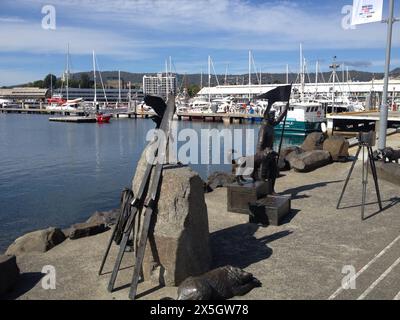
[195, 79]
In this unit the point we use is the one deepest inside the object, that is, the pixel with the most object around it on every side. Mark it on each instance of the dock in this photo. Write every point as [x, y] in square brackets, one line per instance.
[352, 122]
[219, 117]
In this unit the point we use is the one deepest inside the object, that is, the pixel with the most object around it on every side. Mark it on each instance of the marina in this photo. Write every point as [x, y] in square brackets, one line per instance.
[200, 151]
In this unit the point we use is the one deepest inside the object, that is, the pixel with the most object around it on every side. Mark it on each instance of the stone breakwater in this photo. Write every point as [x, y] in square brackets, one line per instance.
[41, 241]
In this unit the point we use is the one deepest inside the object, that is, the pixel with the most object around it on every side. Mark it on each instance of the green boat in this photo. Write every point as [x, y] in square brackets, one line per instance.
[302, 118]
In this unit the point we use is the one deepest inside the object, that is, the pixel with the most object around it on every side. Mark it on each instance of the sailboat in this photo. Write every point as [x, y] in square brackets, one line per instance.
[100, 117]
[57, 102]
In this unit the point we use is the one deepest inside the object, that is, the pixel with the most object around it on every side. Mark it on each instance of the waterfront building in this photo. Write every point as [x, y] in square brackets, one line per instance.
[159, 85]
[111, 94]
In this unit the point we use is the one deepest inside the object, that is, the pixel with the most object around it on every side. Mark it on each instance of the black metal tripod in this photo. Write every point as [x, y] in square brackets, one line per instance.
[370, 162]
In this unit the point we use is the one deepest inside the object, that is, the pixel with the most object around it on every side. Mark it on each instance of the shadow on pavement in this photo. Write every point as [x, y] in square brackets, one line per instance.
[237, 246]
[26, 282]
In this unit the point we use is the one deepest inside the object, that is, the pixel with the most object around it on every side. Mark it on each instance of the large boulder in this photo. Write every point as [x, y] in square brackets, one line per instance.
[220, 180]
[181, 235]
[86, 229]
[9, 273]
[285, 156]
[338, 147]
[310, 160]
[37, 241]
[313, 141]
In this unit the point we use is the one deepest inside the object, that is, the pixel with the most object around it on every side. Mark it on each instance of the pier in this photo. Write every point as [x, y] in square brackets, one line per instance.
[219, 117]
[352, 122]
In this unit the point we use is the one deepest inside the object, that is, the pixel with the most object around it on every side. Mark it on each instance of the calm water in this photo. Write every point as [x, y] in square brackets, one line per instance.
[57, 174]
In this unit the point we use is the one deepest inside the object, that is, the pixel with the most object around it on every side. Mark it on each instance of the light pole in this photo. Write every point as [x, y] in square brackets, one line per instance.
[383, 118]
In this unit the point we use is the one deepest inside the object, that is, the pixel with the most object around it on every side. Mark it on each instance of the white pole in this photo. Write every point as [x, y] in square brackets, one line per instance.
[67, 72]
[302, 72]
[119, 86]
[249, 74]
[201, 79]
[94, 79]
[260, 77]
[209, 79]
[166, 79]
[287, 73]
[384, 107]
[343, 66]
[316, 73]
[170, 74]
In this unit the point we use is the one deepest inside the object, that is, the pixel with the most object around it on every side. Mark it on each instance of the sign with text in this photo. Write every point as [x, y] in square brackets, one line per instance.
[367, 11]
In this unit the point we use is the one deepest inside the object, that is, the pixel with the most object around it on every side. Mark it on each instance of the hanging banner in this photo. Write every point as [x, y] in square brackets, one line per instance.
[367, 11]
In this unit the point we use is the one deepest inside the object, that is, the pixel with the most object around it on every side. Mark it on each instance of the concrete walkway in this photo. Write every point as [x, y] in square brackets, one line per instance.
[302, 259]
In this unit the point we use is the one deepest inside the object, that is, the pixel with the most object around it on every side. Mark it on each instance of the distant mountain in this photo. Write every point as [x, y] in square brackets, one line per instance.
[190, 79]
[267, 78]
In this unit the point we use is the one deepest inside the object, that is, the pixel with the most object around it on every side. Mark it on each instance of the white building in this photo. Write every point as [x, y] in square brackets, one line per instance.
[360, 90]
[159, 85]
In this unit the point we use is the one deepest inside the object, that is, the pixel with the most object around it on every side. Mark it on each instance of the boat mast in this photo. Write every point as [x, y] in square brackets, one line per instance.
[334, 66]
[119, 86]
[301, 72]
[287, 73]
[166, 79]
[201, 79]
[67, 85]
[249, 74]
[209, 79]
[94, 80]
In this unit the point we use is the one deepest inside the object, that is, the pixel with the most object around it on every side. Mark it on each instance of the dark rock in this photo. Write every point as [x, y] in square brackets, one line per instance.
[220, 180]
[285, 155]
[107, 217]
[181, 234]
[9, 273]
[294, 154]
[310, 160]
[219, 284]
[37, 241]
[81, 230]
[338, 147]
[314, 141]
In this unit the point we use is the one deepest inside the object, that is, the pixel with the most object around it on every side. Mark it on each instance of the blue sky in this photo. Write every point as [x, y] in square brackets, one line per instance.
[138, 35]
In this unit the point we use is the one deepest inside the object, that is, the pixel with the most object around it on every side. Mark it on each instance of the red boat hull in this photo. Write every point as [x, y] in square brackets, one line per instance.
[103, 118]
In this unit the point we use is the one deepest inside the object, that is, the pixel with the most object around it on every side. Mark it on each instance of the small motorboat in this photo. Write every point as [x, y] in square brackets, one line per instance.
[103, 118]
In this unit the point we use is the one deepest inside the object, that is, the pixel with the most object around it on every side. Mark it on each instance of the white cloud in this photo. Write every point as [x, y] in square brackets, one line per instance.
[227, 24]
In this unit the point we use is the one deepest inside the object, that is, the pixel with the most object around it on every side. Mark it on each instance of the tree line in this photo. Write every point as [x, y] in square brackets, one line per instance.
[52, 81]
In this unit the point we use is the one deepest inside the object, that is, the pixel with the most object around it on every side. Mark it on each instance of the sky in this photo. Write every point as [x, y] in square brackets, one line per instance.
[139, 35]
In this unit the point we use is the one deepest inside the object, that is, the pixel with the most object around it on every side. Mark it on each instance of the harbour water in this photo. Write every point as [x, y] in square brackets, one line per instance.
[57, 174]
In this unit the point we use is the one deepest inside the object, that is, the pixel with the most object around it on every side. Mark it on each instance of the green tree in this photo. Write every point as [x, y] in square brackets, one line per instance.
[49, 80]
[193, 90]
[85, 81]
[38, 83]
